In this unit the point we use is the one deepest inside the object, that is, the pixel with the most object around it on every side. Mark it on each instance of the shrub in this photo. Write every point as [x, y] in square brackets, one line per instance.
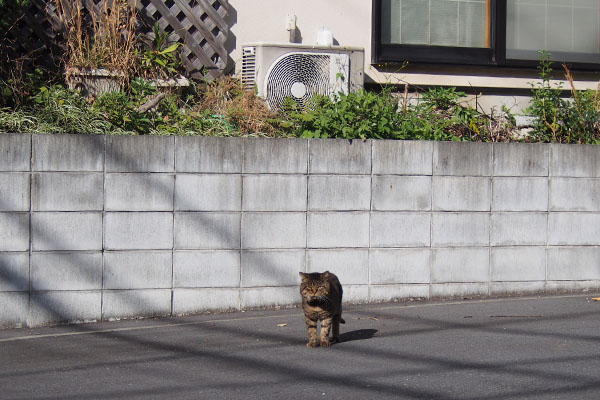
[559, 119]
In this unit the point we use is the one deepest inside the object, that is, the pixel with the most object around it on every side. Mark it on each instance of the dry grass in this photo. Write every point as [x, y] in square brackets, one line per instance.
[249, 113]
[100, 38]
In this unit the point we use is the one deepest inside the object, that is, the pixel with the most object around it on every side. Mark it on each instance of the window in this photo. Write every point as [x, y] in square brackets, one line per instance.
[568, 29]
[486, 32]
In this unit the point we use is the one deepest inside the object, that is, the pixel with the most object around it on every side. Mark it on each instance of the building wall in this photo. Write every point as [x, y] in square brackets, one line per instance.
[100, 228]
[350, 22]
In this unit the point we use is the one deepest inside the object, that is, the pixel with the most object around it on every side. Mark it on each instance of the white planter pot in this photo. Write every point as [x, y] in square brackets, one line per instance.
[94, 82]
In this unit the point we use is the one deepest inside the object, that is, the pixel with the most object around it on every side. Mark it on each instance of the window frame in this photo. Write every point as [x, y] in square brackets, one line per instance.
[495, 55]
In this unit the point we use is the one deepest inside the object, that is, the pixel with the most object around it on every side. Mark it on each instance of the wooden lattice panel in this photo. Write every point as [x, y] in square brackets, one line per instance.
[199, 24]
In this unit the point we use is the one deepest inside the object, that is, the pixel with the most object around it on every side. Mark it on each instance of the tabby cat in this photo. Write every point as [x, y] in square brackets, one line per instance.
[322, 301]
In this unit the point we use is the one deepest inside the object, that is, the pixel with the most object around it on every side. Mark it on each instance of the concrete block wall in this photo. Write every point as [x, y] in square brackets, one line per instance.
[95, 227]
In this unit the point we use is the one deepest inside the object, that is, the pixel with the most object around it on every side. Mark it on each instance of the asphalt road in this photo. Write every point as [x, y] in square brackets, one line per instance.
[516, 348]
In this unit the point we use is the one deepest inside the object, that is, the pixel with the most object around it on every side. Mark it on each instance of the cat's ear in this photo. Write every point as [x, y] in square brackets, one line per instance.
[303, 276]
[325, 274]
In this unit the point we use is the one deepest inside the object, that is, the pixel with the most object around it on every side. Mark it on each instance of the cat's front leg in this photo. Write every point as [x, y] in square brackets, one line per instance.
[325, 329]
[312, 332]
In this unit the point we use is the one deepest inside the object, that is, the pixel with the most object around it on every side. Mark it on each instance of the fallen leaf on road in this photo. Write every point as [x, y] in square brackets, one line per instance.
[281, 325]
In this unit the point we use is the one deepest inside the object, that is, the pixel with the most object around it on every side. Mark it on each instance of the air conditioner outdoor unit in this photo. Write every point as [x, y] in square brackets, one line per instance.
[298, 72]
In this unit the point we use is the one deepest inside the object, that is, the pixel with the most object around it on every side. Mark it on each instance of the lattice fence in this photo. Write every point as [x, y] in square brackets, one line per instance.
[201, 25]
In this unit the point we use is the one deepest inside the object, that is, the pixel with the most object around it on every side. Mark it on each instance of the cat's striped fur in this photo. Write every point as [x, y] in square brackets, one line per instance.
[322, 301]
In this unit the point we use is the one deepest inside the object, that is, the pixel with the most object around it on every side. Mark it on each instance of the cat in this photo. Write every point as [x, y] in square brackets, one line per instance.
[321, 301]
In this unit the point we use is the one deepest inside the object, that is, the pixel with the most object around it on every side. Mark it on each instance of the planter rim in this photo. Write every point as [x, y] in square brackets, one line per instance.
[93, 72]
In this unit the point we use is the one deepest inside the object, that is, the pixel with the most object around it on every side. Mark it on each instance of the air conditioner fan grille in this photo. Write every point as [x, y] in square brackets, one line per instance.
[298, 77]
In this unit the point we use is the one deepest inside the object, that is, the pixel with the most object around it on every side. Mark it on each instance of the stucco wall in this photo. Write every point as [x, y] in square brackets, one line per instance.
[350, 22]
[95, 227]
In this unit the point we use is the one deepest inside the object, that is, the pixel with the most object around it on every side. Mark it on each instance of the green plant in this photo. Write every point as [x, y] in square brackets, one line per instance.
[160, 57]
[55, 109]
[547, 105]
[361, 115]
[442, 98]
[559, 119]
[121, 111]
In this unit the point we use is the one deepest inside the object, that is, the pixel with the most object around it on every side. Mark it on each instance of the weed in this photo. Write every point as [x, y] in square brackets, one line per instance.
[100, 37]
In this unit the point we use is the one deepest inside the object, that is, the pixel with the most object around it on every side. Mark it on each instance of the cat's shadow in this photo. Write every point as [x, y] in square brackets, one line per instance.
[359, 334]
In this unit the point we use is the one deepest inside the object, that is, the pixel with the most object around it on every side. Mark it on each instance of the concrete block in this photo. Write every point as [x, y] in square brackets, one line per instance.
[138, 231]
[273, 230]
[269, 297]
[118, 304]
[460, 229]
[206, 154]
[354, 294]
[139, 192]
[207, 230]
[14, 272]
[573, 263]
[461, 193]
[14, 191]
[459, 290]
[517, 264]
[67, 191]
[206, 269]
[15, 306]
[351, 266]
[390, 293]
[272, 268]
[68, 152]
[516, 288]
[140, 154]
[66, 231]
[462, 159]
[565, 229]
[14, 231]
[519, 229]
[403, 229]
[189, 301]
[275, 156]
[520, 194]
[15, 152]
[575, 160]
[208, 192]
[50, 308]
[571, 286]
[66, 271]
[521, 159]
[402, 157]
[338, 156]
[574, 194]
[393, 266]
[138, 269]
[401, 193]
[338, 229]
[347, 193]
[274, 193]
[460, 265]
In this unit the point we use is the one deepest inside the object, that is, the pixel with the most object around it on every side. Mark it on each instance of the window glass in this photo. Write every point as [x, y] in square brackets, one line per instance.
[452, 23]
[568, 29]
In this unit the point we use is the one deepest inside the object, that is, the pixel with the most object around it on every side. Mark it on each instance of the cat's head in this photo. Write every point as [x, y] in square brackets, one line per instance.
[315, 287]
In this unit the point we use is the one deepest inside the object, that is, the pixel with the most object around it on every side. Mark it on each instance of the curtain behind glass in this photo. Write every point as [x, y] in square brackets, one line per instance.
[568, 29]
[456, 23]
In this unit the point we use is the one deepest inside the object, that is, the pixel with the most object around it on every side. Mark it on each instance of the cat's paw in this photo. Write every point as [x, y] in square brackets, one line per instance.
[325, 342]
[311, 345]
